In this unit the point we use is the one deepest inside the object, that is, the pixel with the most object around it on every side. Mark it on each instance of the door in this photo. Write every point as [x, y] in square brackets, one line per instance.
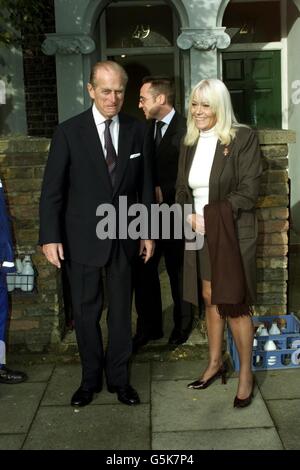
[141, 36]
[138, 67]
[253, 79]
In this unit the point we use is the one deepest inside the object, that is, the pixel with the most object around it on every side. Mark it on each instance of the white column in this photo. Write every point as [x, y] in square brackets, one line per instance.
[12, 106]
[203, 45]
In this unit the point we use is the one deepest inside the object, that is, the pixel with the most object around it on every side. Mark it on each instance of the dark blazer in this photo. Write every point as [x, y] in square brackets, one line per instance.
[77, 181]
[235, 176]
[167, 156]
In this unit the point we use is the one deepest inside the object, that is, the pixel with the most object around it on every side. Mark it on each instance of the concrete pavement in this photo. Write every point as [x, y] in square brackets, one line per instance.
[37, 414]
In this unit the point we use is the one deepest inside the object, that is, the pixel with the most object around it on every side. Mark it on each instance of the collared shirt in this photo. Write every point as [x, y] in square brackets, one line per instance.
[166, 120]
[114, 128]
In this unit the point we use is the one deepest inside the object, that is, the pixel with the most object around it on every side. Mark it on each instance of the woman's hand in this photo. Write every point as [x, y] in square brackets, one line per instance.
[197, 223]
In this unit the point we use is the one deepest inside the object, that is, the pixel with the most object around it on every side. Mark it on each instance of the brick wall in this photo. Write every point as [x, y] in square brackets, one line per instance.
[40, 80]
[37, 319]
[273, 217]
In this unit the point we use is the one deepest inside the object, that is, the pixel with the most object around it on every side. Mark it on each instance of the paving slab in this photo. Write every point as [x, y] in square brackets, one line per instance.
[11, 441]
[228, 439]
[66, 379]
[178, 370]
[35, 372]
[176, 408]
[140, 379]
[278, 384]
[95, 427]
[286, 414]
[19, 404]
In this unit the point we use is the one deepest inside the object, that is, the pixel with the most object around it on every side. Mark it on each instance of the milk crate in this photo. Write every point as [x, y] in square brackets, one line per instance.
[23, 282]
[287, 354]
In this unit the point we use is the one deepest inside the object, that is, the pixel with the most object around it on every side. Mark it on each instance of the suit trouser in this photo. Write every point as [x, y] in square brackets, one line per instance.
[148, 293]
[87, 300]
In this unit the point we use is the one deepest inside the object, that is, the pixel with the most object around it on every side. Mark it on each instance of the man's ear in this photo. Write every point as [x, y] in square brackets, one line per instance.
[91, 91]
[161, 99]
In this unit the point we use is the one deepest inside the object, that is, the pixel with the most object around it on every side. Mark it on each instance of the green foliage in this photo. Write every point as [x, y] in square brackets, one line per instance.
[19, 17]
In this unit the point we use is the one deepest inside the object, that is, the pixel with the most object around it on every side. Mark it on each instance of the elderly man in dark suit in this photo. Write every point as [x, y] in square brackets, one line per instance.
[95, 158]
[165, 131]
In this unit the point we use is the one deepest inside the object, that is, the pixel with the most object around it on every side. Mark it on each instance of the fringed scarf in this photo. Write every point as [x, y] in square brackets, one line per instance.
[228, 282]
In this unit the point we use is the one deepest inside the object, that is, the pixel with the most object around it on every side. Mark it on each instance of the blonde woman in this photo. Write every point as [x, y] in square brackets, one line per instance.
[220, 163]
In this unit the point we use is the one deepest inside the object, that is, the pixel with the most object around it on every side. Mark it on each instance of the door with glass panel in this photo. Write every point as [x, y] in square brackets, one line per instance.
[141, 36]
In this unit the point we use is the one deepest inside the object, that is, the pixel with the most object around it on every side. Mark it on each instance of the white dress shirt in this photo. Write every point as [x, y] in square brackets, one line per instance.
[166, 120]
[114, 128]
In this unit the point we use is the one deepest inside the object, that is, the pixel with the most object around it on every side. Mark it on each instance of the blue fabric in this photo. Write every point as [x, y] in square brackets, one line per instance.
[6, 246]
[6, 254]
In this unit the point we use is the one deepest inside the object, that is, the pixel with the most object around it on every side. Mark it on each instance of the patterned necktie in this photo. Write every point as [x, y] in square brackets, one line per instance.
[158, 135]
[111, 156]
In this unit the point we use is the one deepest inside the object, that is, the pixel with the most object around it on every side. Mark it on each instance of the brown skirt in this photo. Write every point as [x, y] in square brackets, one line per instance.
[204, 262]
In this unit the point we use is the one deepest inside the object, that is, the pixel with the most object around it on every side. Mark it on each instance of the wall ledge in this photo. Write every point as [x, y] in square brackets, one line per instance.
[279, 136]
[23, 144]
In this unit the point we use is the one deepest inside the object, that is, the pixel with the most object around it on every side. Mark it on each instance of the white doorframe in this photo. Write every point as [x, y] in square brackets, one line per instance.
[284, 65]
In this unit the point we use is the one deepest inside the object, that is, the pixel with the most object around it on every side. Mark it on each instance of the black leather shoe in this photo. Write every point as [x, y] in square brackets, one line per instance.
[8, 376]
[140, 340]
[83, 397]
[126, 394]
[243, 402]
[202, 384]
[177, 338]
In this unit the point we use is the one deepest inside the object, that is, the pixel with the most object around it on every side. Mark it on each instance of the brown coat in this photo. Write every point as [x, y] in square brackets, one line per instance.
[235, 176]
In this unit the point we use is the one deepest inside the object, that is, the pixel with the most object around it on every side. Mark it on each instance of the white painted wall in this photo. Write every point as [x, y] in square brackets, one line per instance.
[12, 113]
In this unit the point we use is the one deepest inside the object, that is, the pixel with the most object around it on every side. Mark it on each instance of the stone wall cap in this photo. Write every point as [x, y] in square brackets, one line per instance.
[279, 136]
[23, 144]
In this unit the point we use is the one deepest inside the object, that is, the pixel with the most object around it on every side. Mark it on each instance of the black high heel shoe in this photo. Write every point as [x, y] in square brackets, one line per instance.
[202, 384]
[243, 402]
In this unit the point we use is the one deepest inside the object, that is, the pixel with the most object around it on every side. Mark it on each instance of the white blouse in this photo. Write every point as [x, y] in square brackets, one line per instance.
[201, 168]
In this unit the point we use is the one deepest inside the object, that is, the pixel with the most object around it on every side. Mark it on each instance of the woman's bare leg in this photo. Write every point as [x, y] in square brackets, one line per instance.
[242, 331]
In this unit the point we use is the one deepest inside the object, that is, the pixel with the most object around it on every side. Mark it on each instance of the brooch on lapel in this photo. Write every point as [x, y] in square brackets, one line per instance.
[225, 152]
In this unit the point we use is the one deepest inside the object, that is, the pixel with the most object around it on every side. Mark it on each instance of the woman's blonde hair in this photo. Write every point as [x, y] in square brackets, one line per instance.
[213, 92]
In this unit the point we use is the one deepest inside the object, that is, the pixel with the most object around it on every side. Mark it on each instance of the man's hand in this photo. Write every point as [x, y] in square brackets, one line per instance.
[54, 252]
[146, 249]
[158, 195]
[197, 223]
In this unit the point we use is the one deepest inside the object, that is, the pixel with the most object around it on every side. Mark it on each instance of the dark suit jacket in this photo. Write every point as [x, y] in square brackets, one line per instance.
[167, 155]
[235, 176]
[77, 181]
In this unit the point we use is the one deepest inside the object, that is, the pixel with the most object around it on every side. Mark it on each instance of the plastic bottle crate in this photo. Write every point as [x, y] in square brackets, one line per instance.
[285, 357]
[23, 282]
